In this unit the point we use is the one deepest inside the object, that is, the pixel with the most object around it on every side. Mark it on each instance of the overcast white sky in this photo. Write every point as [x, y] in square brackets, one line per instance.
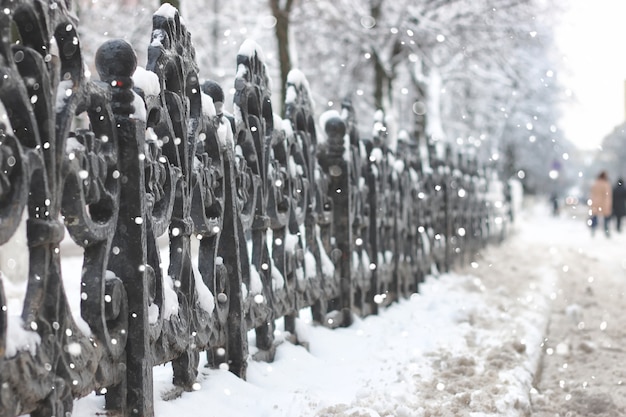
[592, 37]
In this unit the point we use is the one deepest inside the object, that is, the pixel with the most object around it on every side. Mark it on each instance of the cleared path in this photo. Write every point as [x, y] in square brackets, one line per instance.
[582, 371]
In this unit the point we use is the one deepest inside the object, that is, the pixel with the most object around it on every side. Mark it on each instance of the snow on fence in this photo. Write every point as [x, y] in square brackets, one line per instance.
[261, 216]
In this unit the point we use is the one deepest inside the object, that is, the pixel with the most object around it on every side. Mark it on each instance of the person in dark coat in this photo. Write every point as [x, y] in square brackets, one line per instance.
[619, 203]
[554, 198]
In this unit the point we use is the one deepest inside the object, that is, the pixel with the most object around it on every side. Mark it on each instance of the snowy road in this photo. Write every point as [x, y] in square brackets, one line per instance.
[583, 371]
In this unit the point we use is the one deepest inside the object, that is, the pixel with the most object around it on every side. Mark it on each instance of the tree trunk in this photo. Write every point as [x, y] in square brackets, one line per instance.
[282, 38]
[419, 108]
[384, 66]
[175, 3]
[380, 76]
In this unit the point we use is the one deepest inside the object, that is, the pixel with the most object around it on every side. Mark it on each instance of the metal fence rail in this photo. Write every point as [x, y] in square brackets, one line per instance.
[262, 217]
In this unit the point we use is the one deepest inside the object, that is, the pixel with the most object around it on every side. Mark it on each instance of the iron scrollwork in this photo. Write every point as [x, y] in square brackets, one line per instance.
[195, 226]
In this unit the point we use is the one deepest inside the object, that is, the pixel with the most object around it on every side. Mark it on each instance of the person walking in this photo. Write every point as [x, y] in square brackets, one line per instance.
[601, 202]
[554, 198]
[619, 203]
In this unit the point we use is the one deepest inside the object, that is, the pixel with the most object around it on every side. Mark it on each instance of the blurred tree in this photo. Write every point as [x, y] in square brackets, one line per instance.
[612, 154]
[475, 74]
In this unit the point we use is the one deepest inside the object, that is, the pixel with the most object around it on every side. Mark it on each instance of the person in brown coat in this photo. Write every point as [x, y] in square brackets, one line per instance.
[601, 202]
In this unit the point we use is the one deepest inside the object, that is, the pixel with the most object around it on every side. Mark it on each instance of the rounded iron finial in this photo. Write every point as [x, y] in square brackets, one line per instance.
[115, 59]
[335, 127]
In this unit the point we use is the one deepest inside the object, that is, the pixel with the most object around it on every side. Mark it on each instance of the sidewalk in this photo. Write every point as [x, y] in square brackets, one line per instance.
[582, 372]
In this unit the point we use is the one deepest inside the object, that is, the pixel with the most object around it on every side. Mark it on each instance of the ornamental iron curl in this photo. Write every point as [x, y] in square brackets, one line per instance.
[195, 226]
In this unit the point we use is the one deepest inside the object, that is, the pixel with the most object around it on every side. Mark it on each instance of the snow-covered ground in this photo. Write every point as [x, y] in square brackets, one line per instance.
[530, 327]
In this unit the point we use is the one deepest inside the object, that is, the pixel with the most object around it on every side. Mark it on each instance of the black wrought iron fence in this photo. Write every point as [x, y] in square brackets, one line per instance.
[262, 217]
